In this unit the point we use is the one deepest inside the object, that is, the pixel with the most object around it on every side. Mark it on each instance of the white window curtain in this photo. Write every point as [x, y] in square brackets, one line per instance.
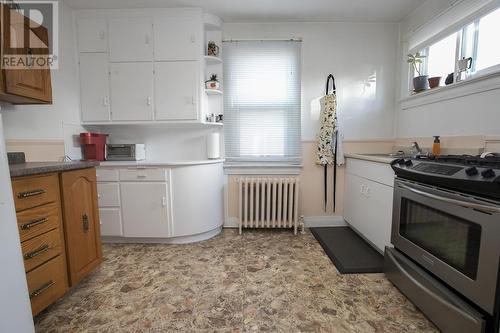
[262, 101]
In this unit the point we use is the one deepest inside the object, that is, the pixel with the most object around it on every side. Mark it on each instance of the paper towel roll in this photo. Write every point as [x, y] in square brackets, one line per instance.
[213, 146]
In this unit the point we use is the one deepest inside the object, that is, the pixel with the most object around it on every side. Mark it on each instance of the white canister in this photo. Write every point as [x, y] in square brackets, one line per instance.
[213, 146]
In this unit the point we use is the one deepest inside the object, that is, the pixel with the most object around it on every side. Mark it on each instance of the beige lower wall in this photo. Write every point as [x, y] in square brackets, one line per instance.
[311, 176]
[312, 180]
[38, 150]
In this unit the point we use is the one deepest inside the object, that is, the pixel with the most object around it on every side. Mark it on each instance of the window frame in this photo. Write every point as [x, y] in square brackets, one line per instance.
[460, 50]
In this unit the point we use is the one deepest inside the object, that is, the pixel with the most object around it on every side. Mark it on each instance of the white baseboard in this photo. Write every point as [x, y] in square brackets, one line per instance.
[310, 222]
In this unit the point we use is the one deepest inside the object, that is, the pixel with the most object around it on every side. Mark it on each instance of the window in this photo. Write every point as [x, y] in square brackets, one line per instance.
[488, 48]
[262, 101]
[441, 57]
[478, 40]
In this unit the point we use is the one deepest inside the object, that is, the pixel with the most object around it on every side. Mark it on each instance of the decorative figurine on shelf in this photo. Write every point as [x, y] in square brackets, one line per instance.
[213, 82]
[213, 49]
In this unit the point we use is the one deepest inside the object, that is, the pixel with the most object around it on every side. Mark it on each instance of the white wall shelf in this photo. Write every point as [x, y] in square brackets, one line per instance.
[213, 92]
[213, 60]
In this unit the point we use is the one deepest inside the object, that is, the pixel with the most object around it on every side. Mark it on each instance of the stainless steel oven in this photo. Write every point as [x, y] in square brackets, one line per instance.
[453, 235]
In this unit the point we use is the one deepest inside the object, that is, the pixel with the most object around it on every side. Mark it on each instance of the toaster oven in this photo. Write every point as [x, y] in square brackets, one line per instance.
[125, 152]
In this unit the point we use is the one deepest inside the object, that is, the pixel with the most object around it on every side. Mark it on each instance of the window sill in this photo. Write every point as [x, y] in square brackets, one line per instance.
[262, 169]
[473, 85]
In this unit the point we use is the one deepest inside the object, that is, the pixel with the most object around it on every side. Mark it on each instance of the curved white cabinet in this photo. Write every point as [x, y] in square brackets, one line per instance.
[163, 203]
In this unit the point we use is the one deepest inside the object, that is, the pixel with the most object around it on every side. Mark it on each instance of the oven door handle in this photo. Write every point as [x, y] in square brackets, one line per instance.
[484, 208]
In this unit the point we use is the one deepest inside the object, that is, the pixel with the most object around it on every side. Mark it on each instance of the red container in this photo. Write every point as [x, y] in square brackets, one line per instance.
[93, 146]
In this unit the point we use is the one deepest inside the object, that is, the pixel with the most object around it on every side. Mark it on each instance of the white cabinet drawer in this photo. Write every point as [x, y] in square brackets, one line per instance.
[143, 174]
[108, 194]
[111, 222]
[107, 175]
[378, 172]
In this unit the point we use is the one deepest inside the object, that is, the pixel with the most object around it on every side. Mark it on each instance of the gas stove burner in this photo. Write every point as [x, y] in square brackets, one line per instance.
[488, 161]
[466, 173]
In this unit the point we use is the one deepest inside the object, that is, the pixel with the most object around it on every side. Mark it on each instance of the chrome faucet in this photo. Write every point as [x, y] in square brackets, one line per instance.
[415, 149]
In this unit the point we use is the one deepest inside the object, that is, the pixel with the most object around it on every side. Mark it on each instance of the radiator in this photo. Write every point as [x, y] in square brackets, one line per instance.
[268, 202]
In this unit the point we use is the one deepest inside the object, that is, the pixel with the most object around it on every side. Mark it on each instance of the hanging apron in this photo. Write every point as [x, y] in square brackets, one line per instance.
[327, 138]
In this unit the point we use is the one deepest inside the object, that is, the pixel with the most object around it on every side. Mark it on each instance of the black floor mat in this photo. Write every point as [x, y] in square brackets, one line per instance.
[350, 253]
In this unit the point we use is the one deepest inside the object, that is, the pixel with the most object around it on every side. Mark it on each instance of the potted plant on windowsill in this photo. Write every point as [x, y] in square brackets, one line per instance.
[420, 82]
[213, 82]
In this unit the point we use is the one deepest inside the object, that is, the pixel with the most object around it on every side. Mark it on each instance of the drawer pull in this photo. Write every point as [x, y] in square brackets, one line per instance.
[29, 194]
[85, 221]
[34, 223]
[42, 289]
[37, 252]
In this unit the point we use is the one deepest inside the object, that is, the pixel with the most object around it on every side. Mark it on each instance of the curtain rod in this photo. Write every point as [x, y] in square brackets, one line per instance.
[262, 40]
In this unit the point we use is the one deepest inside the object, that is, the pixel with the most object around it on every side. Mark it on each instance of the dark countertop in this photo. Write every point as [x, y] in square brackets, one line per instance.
[35, 168]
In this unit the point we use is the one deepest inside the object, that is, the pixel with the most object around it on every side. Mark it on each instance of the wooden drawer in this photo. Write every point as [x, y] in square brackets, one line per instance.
[106, 175]
[143, 174]
[108, 194]
[41, 249]
[39, 220]
[47, 283]
[35, 191]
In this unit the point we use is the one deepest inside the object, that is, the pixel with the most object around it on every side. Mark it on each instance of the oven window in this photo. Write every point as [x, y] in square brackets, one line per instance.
[451, 239]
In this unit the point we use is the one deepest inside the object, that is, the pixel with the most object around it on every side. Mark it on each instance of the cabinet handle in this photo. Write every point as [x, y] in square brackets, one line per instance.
[102, 35]
[146, 40]
[164, 201]
[85, 222]
[34, 223]
[148, 101]
[28, 194]
[42, 289]
[105, 101]
[37, 252]
[193, 39]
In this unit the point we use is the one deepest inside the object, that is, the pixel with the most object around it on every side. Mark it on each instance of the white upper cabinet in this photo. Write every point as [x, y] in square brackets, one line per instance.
[92, 35]
[131, 91]
[177, 38]
[176, 90]
[94, 87]
[130, 39]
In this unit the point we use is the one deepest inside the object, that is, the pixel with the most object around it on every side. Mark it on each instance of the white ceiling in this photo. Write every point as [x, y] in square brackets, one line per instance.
[276, 10]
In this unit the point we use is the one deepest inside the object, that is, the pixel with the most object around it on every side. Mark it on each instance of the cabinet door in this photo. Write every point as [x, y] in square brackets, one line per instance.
[145, 209]
[31, 82]
[92, 35]
[111, 222]
[130, 39]
[81, 222]
[94, 86]
[368, 208]
[176, 90]
[131, 91]
[177, 39]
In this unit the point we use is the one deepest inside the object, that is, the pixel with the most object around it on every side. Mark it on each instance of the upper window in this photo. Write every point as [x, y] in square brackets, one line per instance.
[477, 40]
[262, 101]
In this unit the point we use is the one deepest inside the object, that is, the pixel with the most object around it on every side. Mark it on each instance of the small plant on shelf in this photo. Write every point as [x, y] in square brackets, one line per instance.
[420, 82]
[213, 82]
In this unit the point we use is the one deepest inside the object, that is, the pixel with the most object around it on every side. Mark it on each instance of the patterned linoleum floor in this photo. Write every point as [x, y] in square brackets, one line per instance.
[263, 281]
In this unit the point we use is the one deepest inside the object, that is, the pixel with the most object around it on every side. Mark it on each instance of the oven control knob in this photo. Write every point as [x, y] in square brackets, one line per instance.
[471, 171]
[408, 163]
[489, 173]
